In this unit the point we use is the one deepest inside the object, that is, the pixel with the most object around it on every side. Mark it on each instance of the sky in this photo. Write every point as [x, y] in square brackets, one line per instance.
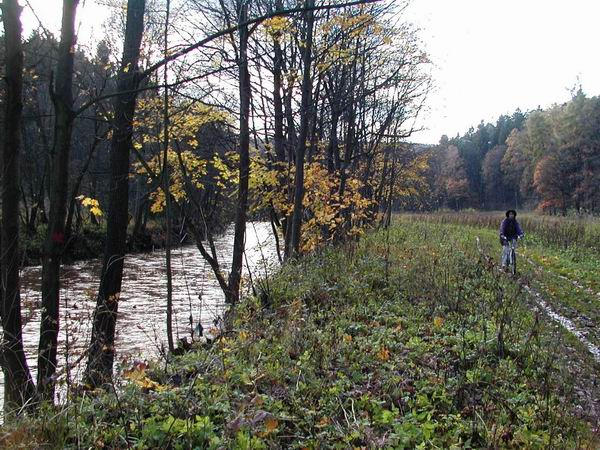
[490, 56]
[494, 56]
[89, 19]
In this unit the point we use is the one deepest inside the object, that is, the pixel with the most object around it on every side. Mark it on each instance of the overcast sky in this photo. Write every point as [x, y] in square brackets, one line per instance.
[493, 56]
[490, 56]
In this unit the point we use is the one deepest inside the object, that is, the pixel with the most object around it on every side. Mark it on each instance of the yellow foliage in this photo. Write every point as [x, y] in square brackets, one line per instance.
[183, 127]
[276, 27]
[92, 204]
[410, 173]
[349, 23]
[138, 376]
[325, 208]
[271, 424]
[325, 421]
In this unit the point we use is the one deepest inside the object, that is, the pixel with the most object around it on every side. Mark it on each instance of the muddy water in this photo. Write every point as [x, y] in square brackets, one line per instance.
[141, 323]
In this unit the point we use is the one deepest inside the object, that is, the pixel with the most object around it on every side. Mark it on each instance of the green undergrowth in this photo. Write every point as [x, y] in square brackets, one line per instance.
[563, 246]
[408, 339]
[575, 266]
[88, 243]
[558, 258]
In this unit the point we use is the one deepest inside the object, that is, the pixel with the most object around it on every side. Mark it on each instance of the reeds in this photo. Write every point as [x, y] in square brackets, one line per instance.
[564, 232]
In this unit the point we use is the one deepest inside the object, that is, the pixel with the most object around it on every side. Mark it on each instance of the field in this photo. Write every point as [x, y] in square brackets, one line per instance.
[560, 259]
[410, 338]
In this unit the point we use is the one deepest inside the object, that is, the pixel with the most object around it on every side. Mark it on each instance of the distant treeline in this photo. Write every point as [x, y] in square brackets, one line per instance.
[543, 159]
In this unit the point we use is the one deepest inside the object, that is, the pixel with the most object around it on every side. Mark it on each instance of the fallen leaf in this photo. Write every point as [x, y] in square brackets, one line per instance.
[383, 354]
[271, 424]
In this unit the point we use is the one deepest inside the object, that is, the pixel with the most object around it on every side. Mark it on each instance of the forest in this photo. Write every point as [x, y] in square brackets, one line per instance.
[546, 160]
[294, 113]
[191, 120]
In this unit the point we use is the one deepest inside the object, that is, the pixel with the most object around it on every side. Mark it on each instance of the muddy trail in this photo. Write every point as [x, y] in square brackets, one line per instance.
[575, 336]
[585, 326]
[580, 358]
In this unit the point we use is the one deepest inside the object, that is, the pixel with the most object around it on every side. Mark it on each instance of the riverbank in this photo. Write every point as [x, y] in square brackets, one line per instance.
[88, 243]
[410, 337]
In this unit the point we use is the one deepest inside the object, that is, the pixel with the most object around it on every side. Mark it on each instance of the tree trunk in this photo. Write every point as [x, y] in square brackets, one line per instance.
[332, 148]
[138, 221]
[76, 186]
[244, 171]
[19, 388]
[102, 350]
[349, 144]
[277, 101]
[39, 202]
[166, 184]
[301, 148]
[55, 236]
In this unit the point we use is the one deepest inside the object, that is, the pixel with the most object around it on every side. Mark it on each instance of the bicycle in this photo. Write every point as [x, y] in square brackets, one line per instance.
[512, 255]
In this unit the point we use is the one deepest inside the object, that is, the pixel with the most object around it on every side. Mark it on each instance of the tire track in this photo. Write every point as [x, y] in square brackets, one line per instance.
[564, 322]
[575, 283]
[567, 324]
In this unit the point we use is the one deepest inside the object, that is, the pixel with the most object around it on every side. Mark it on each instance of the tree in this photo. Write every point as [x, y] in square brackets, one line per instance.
[496, 195]
[514, 165]
[296, 222]
[19, 388]
[235, 275]
[166, 182]
[55, 236]
[548, 180]
[455, 179]
[101, 351]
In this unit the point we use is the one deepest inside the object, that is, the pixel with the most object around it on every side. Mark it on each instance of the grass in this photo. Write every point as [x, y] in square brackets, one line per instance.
[577, 233]
[408, 339]
[560, 261]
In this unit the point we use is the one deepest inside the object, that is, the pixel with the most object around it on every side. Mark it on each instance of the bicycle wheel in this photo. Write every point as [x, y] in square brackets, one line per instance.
[513, 266]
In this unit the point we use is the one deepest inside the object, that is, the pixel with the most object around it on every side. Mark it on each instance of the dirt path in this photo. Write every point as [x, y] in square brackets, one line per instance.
[582, 369]
[578, 323]
[567, 324]
[575, 325]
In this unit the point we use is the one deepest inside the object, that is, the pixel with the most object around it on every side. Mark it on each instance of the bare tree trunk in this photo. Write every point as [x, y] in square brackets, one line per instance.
[55, 236]
[166, 183]
[244, 171]
[19, 388]
[277, 101]
[138, 221]
[102, 349]
[39, 200]
[304, 116]
[77, 185]
[349, 144]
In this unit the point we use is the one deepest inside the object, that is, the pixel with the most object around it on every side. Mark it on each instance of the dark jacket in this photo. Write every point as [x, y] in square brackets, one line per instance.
[510, 230]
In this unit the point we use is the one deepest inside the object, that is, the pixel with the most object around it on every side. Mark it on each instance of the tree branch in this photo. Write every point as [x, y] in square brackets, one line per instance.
[237, 26]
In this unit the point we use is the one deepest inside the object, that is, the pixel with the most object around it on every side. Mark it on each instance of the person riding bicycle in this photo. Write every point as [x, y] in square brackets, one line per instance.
[510, 231]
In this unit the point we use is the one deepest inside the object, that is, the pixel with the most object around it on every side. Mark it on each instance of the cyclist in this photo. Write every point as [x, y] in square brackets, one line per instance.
[510, 230]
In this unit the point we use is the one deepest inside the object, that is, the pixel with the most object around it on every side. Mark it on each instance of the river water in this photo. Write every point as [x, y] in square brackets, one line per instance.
[141, 322]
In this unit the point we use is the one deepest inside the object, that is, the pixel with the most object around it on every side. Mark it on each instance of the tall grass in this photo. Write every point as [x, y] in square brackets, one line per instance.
[409, 338]
[560, 231]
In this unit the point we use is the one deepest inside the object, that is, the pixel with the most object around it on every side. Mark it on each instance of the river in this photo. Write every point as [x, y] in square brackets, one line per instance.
[141, 323]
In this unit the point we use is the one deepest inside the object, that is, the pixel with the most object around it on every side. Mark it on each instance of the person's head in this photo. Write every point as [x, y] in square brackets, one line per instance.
[511, 214]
